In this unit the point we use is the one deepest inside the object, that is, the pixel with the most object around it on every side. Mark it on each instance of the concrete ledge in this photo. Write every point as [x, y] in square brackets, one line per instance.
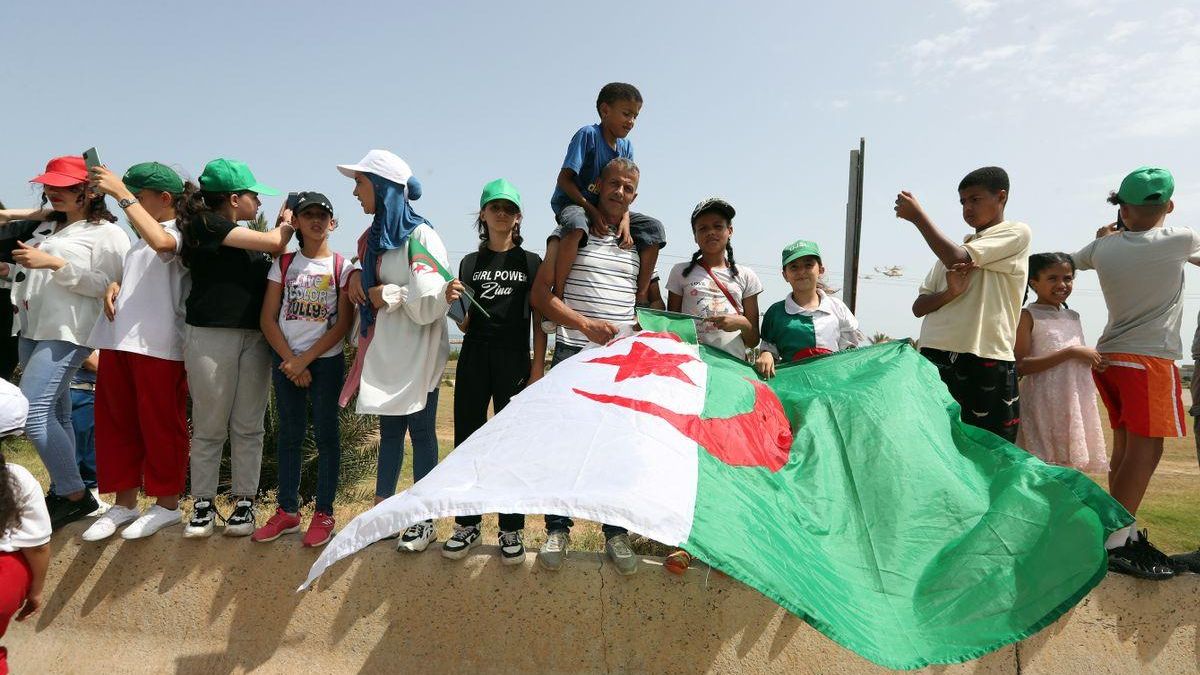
[226, 606]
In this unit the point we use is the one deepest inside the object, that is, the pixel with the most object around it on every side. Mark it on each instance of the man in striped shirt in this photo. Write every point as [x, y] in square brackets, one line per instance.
[598, 297]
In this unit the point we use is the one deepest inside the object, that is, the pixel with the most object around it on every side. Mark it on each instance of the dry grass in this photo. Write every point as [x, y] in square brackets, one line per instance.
[1171, 509]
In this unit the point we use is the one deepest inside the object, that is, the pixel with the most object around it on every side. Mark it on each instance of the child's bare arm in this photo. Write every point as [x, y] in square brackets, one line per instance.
[946, 250]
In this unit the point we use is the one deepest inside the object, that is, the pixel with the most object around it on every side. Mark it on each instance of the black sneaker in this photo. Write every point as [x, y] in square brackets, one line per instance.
[203, 520]
[1135, 560]
[1187, 562]
[1151, 552]
[512, 548]
[465, 538]
[241, 522]
[64, 511]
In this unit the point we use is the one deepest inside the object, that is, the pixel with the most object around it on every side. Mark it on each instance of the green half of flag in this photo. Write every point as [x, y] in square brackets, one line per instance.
[893, 527]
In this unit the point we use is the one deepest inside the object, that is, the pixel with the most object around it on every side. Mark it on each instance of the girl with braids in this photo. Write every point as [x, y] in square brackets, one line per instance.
[494, 362]
[24, 526]
[1061, 421]
[227, 360]
[141, 392]
[63, 272]
[712, 288]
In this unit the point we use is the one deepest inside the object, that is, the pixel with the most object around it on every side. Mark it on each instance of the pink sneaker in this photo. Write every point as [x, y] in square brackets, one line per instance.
[281, 523]
[320, 530]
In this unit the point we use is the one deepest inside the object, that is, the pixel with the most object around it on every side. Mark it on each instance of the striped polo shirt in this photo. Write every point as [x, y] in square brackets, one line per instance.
[602, 285]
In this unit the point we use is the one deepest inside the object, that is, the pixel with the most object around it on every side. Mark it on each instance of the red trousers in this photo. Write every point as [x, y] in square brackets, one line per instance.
[15, 578]
[141, 424]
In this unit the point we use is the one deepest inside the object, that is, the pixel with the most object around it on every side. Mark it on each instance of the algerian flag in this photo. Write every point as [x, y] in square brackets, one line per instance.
[846, 489]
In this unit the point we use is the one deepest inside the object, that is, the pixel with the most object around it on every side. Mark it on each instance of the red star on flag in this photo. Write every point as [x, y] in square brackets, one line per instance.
[643, 360]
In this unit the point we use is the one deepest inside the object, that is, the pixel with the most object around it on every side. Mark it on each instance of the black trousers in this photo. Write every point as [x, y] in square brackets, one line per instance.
[986, 390]
[486, 374]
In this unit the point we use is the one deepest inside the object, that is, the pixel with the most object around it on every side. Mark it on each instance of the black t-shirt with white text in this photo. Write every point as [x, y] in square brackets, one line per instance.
[500, 282]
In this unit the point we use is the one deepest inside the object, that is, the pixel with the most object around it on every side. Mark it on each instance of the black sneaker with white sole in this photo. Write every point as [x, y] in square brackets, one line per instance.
[203, 520]
[512, 547]
[465, 538]
[63, 511]
[241, 521]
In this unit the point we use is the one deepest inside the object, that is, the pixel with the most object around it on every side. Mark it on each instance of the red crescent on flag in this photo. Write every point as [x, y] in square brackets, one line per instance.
[760, 437]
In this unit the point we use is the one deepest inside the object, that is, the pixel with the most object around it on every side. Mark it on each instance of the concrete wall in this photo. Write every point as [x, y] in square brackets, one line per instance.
[226, 606]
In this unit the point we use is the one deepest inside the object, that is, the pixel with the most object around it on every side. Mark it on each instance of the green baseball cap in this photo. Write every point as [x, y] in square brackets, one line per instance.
[499, 189]
[1147, 185]
[152, 176]
[799, 249]
[230, 175]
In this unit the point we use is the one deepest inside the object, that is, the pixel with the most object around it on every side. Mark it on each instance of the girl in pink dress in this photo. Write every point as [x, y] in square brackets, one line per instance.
[1060, 422]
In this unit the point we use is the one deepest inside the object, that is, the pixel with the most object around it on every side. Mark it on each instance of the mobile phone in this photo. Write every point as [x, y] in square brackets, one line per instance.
[91, 159]
[293, 199]
[458, 310]
[1120, 223]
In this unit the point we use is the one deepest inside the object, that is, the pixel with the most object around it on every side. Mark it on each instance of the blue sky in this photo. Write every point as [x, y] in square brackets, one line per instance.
[759, 102]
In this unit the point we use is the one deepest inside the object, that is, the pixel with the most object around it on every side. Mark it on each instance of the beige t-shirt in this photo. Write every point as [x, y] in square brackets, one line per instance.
[983, 320]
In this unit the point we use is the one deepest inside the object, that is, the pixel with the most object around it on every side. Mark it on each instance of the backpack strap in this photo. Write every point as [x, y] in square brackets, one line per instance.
[339, 263]
[531, 265]
[285, 261]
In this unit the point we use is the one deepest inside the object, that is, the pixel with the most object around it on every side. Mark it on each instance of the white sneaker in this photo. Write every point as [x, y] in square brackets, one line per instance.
[418, 537]
[155, 519]
[102, 507]
[108, 522]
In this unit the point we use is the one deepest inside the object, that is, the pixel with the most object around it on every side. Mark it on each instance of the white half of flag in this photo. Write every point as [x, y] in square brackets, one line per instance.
[553, 450]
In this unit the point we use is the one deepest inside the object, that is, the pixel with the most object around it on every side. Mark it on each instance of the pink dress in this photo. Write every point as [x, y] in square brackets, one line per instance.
[1060, 422]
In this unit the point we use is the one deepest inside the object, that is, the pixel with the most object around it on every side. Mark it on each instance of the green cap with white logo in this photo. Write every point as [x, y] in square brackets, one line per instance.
[799, 249]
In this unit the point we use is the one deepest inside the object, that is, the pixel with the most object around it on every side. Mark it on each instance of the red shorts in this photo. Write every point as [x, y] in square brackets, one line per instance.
[1143, 395]
[15, 577]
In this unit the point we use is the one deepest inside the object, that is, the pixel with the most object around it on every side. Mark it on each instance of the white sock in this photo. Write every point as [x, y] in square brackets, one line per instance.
[1120, 537]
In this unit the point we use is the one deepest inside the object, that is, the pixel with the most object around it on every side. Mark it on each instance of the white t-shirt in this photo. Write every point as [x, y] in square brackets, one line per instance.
[602, 285]
[702, 297]
[309, 305]
[33, 523]
[150, 306]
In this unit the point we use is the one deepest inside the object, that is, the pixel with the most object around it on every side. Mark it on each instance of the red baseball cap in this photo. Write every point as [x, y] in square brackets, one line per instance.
[63, 172]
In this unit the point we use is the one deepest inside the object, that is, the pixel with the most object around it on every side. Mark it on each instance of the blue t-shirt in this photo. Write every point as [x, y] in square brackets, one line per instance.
[587, 155]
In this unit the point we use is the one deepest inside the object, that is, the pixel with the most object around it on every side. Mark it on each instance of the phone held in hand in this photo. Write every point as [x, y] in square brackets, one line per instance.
[1120, 223]
[91, 159]
[293, 198]
[458, 309]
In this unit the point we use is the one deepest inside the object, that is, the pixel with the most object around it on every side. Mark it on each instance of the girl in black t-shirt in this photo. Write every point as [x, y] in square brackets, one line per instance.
[227, 359]
[494, 363]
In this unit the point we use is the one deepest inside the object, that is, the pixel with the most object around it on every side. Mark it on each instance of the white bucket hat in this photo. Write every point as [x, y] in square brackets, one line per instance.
[381, 163]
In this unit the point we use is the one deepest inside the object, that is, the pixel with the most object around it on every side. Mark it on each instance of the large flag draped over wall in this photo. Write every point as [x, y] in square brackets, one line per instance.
[846, 489]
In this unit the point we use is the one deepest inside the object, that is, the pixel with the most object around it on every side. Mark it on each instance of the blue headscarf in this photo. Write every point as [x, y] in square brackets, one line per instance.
[394, 222]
